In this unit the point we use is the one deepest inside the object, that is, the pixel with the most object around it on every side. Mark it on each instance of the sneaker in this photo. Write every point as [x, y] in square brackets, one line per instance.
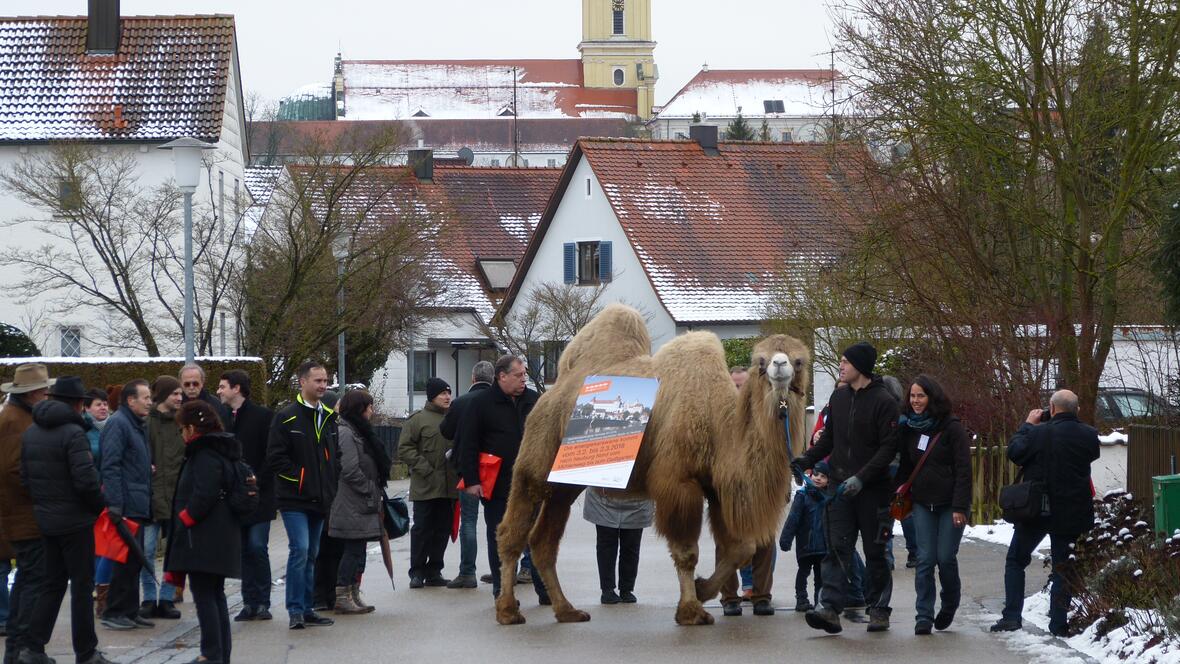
[30, 657]
[147, 609]
[463, 581]
[747, 594]
[140, 622]
[944, 619]
[627, 597]
[119, 623]
[315, 619]
[264, 613]
[98, 658]
[855, 616]
[803, 605]
[437, 582]
[524, 576]
[247, 614]
[167, 610]
[878, 620]
[732, 608]
[296, 622]
[610, 597]
[763, 607]
[923, 627]
[417, 582]
[1006, 626]
[485, 578]
[825, 619]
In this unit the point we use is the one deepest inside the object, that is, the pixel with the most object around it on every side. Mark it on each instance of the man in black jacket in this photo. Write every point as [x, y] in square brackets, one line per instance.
[250, 424]
[302, 454]
[482, 375]
[1057, 454]
[494, 423]
[192, 384]
[860, 440]
[59, 472]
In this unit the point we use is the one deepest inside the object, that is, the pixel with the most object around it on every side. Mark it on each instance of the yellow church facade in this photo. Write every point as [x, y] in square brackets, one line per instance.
[617, 49]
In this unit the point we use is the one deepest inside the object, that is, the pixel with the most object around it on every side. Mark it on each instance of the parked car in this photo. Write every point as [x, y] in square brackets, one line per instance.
[1118, 407]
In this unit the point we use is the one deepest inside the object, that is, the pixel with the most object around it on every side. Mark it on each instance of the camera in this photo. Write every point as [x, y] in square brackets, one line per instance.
[1045, 416]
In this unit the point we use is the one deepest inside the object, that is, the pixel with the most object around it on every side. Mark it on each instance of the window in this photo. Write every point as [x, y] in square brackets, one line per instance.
[495, 162]
[237, 199]
[71, 342]
[1132, 404]
[68, 196]
[221, 205]
[423, 369]
[551, 163]
[681, 136]
[543, 358]
[774, 106]
[620, 76]
[787, 137]
[587, 263]
[617, 11]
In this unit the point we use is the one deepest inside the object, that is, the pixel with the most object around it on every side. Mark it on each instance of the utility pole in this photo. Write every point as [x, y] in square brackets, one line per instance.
[515, 114]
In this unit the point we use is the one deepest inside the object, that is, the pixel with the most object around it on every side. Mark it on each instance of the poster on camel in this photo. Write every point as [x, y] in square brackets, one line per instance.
[604, 432]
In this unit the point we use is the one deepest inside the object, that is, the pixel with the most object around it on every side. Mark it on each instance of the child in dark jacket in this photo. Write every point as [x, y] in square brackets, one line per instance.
[805, 527]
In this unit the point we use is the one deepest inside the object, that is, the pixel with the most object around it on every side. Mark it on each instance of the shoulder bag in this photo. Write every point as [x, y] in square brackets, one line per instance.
[903, 503]
[1023, 502]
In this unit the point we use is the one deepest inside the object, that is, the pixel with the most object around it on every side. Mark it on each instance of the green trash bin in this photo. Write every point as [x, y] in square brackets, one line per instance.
[1165, 491]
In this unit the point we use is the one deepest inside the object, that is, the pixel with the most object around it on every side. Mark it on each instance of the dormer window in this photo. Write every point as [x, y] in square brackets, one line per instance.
[617, 10]
[773, 106]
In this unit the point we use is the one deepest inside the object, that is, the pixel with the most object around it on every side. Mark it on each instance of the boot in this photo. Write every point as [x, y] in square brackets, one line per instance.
[356, 599]
[878, 620]
[100, 599]
[344, 602]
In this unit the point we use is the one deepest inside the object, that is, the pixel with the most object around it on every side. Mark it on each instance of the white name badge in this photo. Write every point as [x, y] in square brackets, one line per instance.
[923, 442]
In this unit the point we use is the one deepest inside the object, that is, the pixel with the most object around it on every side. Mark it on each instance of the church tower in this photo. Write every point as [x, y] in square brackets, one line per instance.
[617, 49]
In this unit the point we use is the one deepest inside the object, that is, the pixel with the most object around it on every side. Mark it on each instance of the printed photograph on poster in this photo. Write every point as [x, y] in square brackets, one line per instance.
[604, 432]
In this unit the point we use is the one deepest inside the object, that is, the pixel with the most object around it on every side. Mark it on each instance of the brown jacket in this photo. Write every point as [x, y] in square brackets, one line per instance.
[16, 505]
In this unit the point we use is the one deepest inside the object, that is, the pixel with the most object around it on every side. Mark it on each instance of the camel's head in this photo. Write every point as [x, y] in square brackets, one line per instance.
[782, 361]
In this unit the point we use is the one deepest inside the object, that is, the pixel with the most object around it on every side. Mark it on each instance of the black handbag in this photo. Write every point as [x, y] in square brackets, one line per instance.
[1025, 501]
[396, 514]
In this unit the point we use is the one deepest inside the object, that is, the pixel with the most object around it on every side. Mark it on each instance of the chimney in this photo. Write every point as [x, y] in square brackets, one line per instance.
[706, 136]
[102, 27]
[422, 163]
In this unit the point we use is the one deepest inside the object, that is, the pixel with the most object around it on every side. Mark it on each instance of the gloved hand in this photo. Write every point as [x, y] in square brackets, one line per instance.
[851, 486]
[115, 514]
[797, 471]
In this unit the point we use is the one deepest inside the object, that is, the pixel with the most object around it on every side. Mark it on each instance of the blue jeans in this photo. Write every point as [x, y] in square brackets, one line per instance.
[256, 565]
[103, 569]
[5, 570]
[938, 544]
[468, 540]
[1025, 539]
[152, 533]
[747, 573]
[856, 581]
[303, 545]
[911, 546]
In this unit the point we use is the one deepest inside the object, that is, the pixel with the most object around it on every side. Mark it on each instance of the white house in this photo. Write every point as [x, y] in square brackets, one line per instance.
[696, 234]
[126, 85]
[795, 104]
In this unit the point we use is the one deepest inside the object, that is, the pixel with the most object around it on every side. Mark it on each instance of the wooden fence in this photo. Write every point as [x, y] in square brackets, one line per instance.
[990, 471]
[1151, 451]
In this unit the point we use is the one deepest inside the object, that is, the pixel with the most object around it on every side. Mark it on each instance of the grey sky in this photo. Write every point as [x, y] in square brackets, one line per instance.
[285, 44]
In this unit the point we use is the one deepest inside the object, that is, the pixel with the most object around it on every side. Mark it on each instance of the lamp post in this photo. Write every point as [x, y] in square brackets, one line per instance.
[340, 246]
[186, 155]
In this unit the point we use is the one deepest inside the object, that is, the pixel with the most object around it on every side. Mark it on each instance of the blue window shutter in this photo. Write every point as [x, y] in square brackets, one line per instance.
[571, 256]
[605, 262]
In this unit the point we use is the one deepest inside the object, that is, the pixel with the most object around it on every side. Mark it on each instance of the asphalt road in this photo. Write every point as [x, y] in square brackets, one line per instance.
[445, 625]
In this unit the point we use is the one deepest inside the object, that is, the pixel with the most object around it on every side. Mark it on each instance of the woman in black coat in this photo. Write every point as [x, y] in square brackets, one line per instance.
[206, 541]
[941, 491]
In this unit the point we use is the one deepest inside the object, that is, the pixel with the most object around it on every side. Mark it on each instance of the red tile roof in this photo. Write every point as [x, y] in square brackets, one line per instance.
[290, 138]
[167, 80]
[719, 236]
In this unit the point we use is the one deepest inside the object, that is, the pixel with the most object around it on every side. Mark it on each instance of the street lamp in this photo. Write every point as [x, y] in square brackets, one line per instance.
[340, 247]
[186, 154]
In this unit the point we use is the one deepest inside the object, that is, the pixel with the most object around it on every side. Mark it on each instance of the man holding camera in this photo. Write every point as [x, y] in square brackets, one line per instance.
[1053, 448]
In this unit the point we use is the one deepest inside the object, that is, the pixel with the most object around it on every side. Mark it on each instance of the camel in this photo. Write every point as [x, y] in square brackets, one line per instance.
[706, 442]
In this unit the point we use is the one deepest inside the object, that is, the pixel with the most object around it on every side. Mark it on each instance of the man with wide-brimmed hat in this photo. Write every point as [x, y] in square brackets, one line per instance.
[58, 469]
[30, 386]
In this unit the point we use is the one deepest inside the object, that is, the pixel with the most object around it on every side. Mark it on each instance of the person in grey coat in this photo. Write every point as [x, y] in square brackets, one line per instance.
[356, 512]
[620, 522]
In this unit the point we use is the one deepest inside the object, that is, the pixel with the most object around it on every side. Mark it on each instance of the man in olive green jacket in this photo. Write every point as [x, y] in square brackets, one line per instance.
[423, 449]
[167, 448]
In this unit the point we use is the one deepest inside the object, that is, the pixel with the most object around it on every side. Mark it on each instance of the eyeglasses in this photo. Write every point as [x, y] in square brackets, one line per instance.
[192, 384]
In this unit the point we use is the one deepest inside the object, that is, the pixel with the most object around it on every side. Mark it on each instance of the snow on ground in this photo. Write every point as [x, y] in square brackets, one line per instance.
[999, 532]
[1120, 645]
[1113, 438]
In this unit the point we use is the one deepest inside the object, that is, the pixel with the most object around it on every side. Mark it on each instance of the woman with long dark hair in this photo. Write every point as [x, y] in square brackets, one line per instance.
[206, 541]
[941, 491]
[356, 511]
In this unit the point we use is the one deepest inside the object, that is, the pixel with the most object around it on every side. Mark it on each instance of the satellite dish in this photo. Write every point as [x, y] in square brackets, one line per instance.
[467, 156]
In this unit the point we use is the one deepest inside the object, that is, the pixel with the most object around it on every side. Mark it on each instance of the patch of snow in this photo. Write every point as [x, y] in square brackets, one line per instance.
[1115, 437]
[520, 227]
[724, 98]
[1118, 646]
[1001, 532]
[9, 361]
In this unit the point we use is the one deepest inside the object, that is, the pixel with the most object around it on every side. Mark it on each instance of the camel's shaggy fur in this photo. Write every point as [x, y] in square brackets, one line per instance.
[705, 442]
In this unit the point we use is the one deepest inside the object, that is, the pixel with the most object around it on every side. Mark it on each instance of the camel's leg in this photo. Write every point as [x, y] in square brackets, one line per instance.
[544, 542]
[731, 554]
[679, 519]
[511, 537]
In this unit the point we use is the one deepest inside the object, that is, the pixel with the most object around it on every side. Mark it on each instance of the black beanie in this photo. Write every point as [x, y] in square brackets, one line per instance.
[862, 356]
[435, 387]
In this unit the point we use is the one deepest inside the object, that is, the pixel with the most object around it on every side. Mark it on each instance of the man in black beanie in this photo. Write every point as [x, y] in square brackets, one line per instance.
[860, 437]
[433, 481]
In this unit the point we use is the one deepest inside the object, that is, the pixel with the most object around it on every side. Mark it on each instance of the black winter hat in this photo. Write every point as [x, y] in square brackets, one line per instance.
[862, 356]
[68, 387]
[435, 387]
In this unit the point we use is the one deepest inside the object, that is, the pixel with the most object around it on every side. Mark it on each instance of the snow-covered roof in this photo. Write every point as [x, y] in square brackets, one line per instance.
[167, 80]
[722, 237]
[472, 89]
[757, 93]
[10, 361]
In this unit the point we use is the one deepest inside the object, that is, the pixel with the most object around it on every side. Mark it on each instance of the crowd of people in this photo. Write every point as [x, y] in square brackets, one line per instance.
[168, 467]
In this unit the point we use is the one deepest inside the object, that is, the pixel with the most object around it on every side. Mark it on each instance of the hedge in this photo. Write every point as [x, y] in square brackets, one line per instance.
[100, 372]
